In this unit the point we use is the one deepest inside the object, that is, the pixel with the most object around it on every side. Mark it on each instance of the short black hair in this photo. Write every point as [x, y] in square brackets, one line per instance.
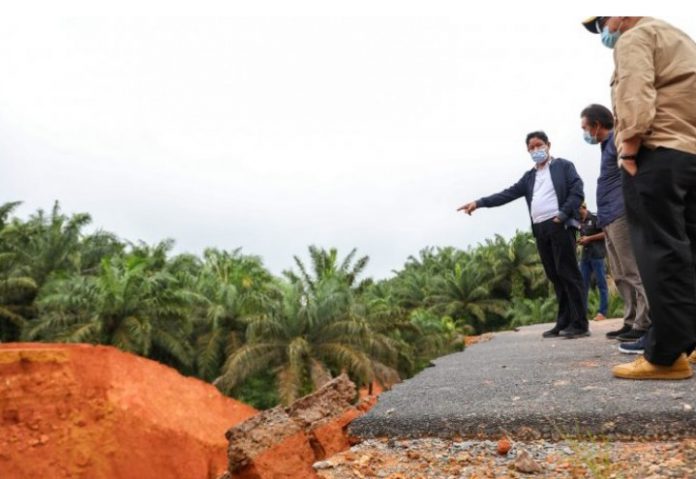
[537, 134]
[599, 114]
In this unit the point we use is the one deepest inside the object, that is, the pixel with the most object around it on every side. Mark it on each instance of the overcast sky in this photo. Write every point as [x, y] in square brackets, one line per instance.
[274, 133]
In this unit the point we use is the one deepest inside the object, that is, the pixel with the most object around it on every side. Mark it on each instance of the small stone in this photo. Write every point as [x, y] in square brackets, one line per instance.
[504, 446]
[413, 455]
[525, 463]
[322, 465]
[464, 457]
[608, 426]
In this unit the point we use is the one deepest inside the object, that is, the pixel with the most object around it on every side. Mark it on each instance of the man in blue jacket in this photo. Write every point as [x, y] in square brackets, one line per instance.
[597, 123]
[554, 191]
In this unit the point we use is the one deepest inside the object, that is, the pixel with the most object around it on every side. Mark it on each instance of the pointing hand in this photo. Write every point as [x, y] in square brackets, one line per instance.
[468, 208]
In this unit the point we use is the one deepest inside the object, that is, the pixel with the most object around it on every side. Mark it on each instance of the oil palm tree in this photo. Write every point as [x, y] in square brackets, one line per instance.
[324, 264]
[17, 291]
[16, 306]
[516, 263]
[233, 286]
[465, 295]
[46, 243]
[130, 305]
[304, 340]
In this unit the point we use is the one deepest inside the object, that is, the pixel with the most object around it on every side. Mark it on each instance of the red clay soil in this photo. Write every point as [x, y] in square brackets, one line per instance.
[82, 411]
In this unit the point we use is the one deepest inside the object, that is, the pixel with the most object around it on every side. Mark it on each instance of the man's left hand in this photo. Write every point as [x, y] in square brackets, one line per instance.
[629, 147]
[629, 166]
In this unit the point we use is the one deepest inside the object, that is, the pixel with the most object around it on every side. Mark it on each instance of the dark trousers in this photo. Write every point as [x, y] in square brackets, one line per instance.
[661, 212]
[556, 246]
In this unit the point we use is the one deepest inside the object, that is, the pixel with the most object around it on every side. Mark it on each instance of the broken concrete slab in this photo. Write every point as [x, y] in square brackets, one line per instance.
[285, 442]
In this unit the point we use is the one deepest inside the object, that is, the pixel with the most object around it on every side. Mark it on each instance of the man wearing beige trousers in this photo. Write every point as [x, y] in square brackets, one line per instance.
[597, 123]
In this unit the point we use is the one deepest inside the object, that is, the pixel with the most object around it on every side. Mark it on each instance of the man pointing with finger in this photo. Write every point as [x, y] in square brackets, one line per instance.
[554, 191]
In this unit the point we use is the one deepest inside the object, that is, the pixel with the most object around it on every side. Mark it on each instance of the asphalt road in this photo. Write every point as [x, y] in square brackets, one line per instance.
[528, 387]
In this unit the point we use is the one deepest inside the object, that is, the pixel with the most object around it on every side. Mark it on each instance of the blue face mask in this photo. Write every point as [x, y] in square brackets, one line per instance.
[589, 138]
[539, 156]
[609, 39]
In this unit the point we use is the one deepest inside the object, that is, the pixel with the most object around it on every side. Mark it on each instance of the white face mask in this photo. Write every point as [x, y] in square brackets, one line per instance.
[540, 155]
[609, 39]
[590, 138]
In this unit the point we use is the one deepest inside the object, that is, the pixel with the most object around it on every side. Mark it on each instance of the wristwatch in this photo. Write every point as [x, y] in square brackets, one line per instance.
[628, 157]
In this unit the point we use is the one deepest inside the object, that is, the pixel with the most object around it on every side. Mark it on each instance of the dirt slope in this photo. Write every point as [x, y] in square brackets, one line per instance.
[82, 411]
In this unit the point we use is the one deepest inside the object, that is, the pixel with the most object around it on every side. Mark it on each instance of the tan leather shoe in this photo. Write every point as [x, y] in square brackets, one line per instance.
[599, 317]
[641, 368]
[692, 357]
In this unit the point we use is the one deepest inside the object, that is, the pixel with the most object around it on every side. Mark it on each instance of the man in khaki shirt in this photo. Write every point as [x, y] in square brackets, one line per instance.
[654, 99]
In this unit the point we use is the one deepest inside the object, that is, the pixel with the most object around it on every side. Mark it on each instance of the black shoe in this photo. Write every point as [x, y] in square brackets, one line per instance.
[613, 334]
[574, 333]
[630, 336]
[551, 333]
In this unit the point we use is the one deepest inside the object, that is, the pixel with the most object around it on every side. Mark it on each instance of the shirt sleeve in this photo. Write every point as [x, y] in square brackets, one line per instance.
[635, 92]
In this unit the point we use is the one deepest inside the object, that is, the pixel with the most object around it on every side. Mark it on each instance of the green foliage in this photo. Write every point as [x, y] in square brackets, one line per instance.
[46, 244]
[532, 311]
[16, 305]
[465, 295]
[133, 304]
[258, 390]
[314, 332]
[614, 310]
[436, 335]
[233, 286]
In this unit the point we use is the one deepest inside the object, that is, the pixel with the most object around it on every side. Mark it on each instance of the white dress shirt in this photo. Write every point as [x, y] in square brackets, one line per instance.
[544, 199]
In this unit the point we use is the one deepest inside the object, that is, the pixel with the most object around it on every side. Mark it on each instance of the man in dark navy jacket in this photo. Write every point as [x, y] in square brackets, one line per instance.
[597, 123]
[554, 191]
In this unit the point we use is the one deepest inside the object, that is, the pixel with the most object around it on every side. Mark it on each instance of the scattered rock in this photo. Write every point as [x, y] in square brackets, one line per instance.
[525, 463]
[504, 446]
[322, 465]
[413, 455]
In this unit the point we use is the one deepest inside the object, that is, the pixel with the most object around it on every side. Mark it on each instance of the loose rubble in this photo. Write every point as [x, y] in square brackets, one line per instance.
[474, 459]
